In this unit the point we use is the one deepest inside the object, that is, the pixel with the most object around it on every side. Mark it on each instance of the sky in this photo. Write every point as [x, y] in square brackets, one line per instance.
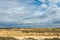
[30, 13]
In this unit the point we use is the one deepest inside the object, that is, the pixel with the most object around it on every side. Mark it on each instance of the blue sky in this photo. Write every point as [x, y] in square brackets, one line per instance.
[30, 13]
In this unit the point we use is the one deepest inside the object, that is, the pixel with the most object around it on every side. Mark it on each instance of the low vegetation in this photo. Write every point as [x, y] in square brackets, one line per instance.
[51, 39]
[7, 38]
[29, 39]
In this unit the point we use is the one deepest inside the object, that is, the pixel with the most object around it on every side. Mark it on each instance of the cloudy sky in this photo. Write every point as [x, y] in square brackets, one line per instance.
[30, 13]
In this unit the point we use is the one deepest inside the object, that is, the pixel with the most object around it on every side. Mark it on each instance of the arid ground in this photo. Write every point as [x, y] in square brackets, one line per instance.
[29, 33]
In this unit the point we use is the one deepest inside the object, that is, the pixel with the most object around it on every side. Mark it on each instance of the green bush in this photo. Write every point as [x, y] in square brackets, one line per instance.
[7, 38]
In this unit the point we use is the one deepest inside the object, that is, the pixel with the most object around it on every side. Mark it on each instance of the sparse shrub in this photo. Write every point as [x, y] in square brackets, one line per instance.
[55, 39]
[7, 38]
[29, 39]
[51, 39]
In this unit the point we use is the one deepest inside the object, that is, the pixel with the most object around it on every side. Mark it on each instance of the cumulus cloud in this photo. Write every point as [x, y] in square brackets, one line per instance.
[29, 13]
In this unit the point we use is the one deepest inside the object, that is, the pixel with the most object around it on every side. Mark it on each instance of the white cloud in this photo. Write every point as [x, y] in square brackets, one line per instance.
[25, 12]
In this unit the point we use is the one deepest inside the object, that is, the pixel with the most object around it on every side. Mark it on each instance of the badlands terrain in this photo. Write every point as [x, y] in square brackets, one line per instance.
[37, 33]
